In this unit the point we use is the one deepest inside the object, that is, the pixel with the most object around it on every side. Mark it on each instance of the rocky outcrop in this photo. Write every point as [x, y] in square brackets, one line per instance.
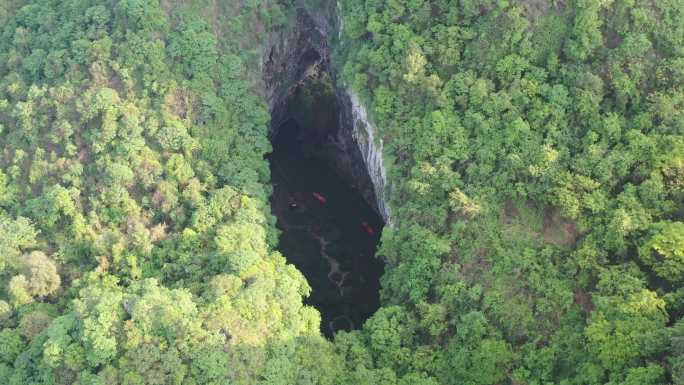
[291, 56]
[354, 149]
[370, 144]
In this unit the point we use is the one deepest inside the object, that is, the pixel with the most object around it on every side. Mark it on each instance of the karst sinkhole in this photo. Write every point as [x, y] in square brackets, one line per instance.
[329, 232]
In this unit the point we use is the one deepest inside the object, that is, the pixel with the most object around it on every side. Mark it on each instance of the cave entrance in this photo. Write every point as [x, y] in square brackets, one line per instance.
[329, 232]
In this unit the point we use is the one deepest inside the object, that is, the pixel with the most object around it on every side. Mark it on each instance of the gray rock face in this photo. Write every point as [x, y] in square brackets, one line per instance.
[354, 148]
[290, 58]
[368, 141]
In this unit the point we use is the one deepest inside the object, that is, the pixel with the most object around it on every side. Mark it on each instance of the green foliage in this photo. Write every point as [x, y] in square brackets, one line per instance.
[664, 251]
[627, 325]
[533, 151]
[136, 240]
[472, 358]
[11, 345]
[42, 274]
[16, 235]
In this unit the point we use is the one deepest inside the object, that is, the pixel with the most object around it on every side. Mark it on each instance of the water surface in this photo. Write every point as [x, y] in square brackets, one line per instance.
[333, 242]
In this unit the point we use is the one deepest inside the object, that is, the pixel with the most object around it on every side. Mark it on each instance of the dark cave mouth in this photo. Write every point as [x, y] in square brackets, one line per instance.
[328, 230]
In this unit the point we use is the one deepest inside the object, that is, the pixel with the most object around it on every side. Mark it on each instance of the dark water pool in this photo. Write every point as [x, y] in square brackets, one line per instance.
[333, 242]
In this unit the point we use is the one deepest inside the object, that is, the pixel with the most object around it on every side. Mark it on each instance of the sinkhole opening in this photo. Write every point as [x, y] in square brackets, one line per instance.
[328, 231]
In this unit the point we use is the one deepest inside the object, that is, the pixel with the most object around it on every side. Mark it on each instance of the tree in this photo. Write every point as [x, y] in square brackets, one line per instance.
[42, 275]
[240, 245]
[472, 357]
[18, 290]
[15, 235]
[33, 323]
[390, 334]
[11, 345]
[663, 251]
[626, 326]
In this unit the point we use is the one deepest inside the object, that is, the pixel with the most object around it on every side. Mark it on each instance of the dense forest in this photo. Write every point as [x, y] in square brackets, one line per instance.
[535, 157]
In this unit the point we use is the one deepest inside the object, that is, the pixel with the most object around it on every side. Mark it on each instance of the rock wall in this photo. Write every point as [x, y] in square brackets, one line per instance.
[292, 54]
[353, 148]
[360, 133]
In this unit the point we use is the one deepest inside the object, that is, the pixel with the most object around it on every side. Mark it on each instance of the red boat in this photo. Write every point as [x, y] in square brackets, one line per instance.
[369, 229]
[320, 198]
